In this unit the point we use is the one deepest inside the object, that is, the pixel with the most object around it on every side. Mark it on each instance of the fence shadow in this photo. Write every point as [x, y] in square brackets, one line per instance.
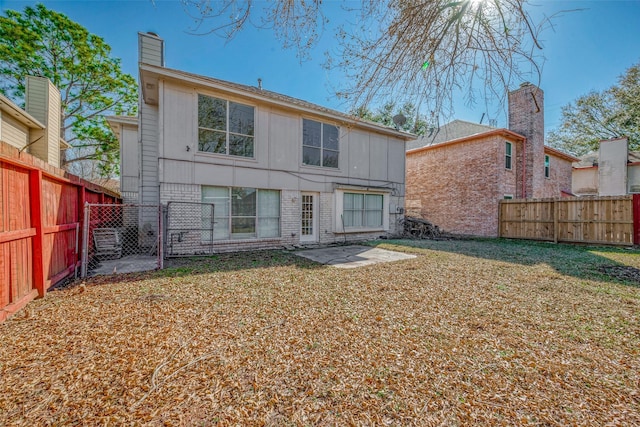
[572, 260]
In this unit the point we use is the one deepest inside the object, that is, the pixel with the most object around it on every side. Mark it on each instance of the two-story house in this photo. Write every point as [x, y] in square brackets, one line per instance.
[269, 170]
[457, 174]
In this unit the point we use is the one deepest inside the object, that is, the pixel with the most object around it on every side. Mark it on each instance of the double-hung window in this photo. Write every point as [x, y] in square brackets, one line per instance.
[320, 144]
[225, 127]
[361, 210]
[547, 166]
[243, 213]
[507, 155]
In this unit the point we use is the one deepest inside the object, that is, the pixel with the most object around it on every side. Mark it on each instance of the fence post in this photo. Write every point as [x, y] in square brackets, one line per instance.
[82, 199]
[636, 219]
[556, 210]
[85, 241]
[37, 241]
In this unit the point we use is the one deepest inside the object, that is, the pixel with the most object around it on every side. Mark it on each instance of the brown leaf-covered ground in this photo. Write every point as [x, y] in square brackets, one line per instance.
[468, 333]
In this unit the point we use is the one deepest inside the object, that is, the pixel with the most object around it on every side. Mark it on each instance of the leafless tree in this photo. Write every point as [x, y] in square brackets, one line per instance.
[420, 51]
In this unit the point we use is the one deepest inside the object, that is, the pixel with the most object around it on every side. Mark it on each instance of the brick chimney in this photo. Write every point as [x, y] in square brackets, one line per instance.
[42, 101]
[526, 117]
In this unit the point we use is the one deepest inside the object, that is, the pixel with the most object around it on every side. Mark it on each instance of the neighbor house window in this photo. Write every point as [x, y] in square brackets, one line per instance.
[243, 213]
[225, 127]
[362, 210]
[507, 155]
[547, 166]
[320, 144]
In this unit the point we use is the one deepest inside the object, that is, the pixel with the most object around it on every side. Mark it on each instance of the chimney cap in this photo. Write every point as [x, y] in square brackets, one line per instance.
[151, 33]
[525, 84]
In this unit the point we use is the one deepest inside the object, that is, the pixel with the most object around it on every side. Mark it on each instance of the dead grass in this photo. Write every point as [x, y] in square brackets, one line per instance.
[468, 333]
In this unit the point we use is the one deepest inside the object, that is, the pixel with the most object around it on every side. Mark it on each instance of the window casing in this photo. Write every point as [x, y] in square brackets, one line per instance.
[507, 154]
[360, 210]
[320, 144]
[243, 213]
[225, 127]
[547, 166]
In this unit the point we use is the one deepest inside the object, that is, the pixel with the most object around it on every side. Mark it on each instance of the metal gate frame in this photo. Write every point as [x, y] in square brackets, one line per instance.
[89, 251]
[188, 229]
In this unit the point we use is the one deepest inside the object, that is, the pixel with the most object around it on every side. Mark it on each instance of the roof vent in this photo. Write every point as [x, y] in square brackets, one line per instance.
[259, 83]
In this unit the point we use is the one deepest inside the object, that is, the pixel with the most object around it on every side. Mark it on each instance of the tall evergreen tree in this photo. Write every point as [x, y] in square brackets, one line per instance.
[41, 42]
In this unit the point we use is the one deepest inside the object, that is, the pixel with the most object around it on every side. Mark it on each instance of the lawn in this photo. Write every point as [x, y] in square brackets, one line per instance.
[479, 332]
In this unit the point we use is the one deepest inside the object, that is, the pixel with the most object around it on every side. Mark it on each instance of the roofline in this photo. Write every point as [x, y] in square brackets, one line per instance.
[561, 154]
[235, 89]
[496, 132]
[22, 116]
[123, 120]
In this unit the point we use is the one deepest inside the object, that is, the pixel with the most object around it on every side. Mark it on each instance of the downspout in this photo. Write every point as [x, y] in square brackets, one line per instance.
[524, 168]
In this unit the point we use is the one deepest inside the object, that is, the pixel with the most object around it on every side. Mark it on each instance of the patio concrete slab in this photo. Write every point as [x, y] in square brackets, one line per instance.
[126, 264]
[352, 256]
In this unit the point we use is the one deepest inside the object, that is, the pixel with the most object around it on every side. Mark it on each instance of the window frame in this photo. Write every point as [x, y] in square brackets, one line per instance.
[229, 216]
[508, 155]
[321, 147]
[547, 166]
[340, 226]
[227, 131]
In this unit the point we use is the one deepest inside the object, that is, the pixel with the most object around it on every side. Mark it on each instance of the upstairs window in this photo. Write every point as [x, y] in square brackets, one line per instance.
[507, 155]
[320, 144]
[547, 166]
[225, 127]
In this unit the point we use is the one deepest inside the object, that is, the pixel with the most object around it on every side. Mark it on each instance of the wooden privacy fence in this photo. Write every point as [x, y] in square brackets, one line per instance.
[596, 220]
[41, 211]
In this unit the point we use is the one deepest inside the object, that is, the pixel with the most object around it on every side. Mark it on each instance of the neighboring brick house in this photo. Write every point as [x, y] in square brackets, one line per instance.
[612, 171]
[277, 170]
[457, 175]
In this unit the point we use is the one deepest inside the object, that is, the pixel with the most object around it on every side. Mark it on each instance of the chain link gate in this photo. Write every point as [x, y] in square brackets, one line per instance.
[189, 229]
[121, 239]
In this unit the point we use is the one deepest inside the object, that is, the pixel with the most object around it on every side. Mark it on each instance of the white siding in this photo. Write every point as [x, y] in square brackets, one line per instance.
[129, 159]
[358, 146]
[14, 132]
[36, 99]
[42, 101]
[284, 149]
[151, 49]
[53, 124]
[149, 178]
[612, 167]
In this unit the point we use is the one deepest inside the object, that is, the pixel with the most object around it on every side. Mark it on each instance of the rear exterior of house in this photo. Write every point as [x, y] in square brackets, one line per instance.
[457, 183]
[258, 169]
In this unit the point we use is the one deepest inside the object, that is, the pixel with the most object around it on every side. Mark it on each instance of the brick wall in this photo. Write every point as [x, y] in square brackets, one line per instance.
[559, 177]
[458, 186]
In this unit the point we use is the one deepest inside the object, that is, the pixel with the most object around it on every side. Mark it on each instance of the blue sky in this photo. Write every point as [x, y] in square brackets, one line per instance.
[585, 50]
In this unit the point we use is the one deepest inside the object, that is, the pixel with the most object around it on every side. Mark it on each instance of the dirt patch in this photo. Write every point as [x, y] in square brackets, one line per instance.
[621, 272]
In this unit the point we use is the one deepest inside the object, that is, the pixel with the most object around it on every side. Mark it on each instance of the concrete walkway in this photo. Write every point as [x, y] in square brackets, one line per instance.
[352, 256]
